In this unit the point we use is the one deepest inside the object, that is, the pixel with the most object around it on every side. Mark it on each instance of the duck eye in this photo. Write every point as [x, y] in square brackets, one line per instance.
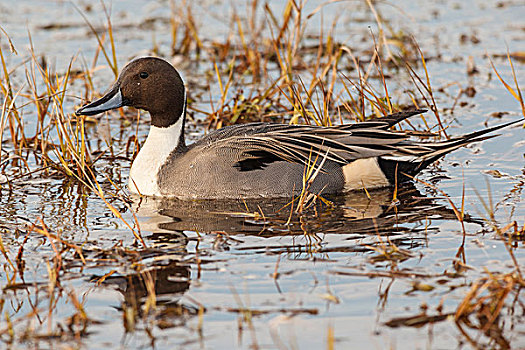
[143, 75]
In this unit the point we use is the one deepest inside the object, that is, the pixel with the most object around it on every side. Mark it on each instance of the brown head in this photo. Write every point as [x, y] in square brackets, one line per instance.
[147, 83]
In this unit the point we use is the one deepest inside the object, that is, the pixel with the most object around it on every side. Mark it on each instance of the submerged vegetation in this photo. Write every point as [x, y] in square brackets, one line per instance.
[274, 65]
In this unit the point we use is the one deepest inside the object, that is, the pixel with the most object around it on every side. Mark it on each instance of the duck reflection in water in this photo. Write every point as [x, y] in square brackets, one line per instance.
[160, 280]
[163, 273]
[353, 213]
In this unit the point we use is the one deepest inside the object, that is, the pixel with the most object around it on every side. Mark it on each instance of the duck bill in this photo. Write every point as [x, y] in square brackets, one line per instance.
[111, 100]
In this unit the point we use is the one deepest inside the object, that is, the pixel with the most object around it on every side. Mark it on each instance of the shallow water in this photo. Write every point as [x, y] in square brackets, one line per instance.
[251, 275]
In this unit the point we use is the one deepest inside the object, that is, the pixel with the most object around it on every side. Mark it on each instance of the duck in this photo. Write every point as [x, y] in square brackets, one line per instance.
[260, 159]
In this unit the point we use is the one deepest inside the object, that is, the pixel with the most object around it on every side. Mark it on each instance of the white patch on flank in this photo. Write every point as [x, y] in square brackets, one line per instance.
[114, 102]
[364, 173]
[153, 154]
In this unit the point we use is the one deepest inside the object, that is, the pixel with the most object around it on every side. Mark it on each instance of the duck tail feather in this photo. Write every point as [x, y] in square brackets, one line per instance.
[396, 118]
[389, 165]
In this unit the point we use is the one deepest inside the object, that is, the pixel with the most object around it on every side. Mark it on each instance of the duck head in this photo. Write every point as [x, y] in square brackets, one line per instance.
[147, 83]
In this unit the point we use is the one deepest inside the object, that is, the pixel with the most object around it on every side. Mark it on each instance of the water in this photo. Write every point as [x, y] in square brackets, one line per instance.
[241, 275]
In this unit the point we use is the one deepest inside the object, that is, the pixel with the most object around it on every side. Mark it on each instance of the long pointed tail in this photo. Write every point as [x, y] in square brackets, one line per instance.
[414, 157]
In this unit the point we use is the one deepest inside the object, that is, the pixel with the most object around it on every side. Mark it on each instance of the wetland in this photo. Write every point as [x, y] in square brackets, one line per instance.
[436, 263]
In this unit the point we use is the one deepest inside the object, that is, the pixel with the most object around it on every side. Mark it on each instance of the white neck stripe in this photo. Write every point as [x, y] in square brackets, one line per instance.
[153, 155]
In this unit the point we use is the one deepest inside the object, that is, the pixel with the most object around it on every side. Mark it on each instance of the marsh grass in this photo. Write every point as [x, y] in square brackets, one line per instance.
[184, 30]
[268, 69]
[495, 294]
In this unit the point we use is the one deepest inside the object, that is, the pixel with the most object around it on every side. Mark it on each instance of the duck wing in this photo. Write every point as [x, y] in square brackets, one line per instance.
[257, 145]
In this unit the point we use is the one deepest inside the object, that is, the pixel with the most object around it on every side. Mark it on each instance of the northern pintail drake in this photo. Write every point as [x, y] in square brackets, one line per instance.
[260, 159]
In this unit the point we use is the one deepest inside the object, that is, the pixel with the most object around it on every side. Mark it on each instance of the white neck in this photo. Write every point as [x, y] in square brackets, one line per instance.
[153, 154]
